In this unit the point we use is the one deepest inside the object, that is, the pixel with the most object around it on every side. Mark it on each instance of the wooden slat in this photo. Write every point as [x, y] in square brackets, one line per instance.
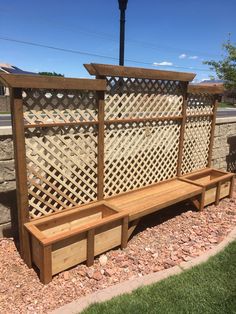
[142, 202]
[46, 266]
[213, 123]
[170, 118]
[231, 191]
[205, 89]
[123, 71]
[200, 115]
[218, 188]
[78, 230]
[100, 170]
[124, 234]
[182, 130]
[21, 172]
[51, 125]
[90, 247]
[51, 82]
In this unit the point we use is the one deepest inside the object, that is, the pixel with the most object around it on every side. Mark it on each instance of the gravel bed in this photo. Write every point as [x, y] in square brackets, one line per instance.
[171, 236]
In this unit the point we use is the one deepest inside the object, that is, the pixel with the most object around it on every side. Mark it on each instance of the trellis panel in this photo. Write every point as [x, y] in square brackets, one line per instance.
[142, 148]
[198, 131]
[61, 159]
[139, 154]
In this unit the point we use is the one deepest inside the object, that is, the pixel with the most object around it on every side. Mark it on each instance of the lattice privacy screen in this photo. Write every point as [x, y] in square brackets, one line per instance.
[197, 134]
[61, 160]
[140, 149]
[139, 133]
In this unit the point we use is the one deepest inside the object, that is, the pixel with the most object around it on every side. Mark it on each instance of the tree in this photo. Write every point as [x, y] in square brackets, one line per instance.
[51, 74]
[226, 69]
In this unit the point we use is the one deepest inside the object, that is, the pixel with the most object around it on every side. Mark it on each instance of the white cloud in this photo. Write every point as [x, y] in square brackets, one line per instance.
[183, 56]
[193, 57]
[163, 63]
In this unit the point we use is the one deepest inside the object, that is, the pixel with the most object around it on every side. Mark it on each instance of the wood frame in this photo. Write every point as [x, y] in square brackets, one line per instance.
[21, 173]
[44, 246]
[33, 244]
[215, 188]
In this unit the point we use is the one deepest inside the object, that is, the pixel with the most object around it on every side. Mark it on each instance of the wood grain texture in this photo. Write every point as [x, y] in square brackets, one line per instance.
[21, 172]
[124, 71]
[50, 82]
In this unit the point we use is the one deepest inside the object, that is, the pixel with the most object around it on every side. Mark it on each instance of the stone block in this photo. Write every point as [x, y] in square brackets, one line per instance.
[7, 230]
[5, 214]
[7, 186]
[8, 208]
[6, 149]
[7, 170]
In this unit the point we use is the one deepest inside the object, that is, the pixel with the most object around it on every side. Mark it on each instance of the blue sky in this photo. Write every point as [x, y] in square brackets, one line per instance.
[167, 35]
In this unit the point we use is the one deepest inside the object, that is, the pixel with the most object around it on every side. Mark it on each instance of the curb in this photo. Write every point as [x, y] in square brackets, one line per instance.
[130, 285]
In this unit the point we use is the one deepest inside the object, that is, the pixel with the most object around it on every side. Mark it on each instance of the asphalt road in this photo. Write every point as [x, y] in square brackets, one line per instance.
[5, 119]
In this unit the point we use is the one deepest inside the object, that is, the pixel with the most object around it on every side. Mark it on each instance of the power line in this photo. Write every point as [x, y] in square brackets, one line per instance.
[92, 54]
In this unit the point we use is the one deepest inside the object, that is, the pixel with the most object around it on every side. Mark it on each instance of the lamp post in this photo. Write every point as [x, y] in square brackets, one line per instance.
[122, 8]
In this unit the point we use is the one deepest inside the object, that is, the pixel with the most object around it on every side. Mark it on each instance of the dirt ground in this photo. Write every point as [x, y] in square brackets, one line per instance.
[162, 240]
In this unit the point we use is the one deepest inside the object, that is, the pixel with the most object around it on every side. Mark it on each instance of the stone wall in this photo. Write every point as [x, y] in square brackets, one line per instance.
[8, 216]
[224, 148]
[224, 157]
[4, 104]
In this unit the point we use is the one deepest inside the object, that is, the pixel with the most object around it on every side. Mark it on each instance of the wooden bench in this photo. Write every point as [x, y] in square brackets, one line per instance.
[67, 238]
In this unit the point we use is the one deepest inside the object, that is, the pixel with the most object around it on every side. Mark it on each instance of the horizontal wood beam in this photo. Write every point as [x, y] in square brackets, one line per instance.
[137, 120]
[123, 71]
[58, 124]
[194, 89]
[51, 82]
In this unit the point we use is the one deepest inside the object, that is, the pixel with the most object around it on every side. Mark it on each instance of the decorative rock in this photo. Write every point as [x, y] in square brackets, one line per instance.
[103, 260]
[97, 276]
[82, 273]
[109, 272]
[90, 273]
[66, 275]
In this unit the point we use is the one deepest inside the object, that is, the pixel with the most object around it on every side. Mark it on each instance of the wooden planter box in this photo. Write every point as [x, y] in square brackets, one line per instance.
[217, 184]
[65, 239]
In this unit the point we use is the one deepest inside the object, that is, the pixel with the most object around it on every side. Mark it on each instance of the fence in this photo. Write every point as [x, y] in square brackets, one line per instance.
[78, 141]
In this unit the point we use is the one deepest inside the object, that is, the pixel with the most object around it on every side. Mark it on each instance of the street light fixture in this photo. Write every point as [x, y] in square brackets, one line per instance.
[122, 8]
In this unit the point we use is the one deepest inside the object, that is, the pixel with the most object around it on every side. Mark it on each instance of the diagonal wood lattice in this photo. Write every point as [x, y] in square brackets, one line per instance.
[55, 106]
[82, 146]
[198, 129]
[61, 160]
[141, 153]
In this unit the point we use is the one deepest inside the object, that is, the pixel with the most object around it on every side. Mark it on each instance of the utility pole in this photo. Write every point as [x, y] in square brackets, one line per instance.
[122, 8]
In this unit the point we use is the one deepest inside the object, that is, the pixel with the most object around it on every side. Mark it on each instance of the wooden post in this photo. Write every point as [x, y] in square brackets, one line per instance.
[231, 190]
[182, 129]
[202, 200]
[218, 193]
[46, 263]
[90, 247]
[101, 131]
[124, 235]
[212, 132]
[21, 172]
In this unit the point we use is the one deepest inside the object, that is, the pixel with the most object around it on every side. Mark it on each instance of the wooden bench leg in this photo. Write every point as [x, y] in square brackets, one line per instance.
[132, 227]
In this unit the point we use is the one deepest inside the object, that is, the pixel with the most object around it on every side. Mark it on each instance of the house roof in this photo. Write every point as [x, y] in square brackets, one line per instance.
[11, 69]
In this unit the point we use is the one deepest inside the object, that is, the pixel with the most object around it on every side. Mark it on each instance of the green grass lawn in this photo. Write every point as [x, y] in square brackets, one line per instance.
[226, 105]
[208, 288]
